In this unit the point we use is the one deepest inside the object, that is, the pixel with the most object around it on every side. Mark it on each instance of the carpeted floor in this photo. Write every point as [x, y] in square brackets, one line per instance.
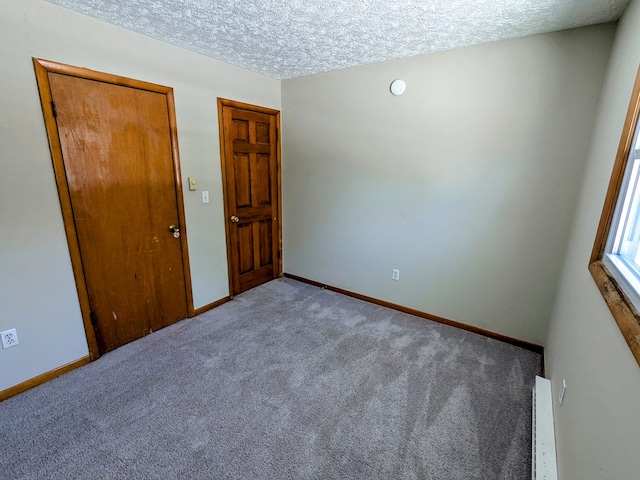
[287, 381]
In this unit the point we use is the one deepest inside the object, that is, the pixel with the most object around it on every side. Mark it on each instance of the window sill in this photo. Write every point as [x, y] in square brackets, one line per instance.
[623, 311]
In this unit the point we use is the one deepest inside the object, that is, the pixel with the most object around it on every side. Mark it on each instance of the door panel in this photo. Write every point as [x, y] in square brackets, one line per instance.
[243, 180]
[250, 165]
[245, 248]
[265, 229]
[262, 190]
[118, 161]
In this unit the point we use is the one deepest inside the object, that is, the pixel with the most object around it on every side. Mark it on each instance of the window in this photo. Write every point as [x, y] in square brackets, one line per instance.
[615, 260]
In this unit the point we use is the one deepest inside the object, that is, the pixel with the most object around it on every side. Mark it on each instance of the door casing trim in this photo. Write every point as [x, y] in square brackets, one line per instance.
[42, 69]
[224, 102]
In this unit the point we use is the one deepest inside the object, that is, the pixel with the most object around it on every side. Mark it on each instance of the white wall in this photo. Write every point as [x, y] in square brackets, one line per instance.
[598, 425]
[37, 289]
[466, 183]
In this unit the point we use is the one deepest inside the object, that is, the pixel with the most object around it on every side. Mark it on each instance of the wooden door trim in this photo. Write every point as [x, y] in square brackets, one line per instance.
[42, 69]
[223, 102]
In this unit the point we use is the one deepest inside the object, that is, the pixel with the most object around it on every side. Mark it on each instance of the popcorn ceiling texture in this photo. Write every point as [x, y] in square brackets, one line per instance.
[292, 38]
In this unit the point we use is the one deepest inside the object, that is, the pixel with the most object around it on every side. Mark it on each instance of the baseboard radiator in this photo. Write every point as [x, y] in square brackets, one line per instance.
[543, 463]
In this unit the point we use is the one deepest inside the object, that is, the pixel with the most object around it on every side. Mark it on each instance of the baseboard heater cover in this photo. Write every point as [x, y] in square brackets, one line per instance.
[543, 463]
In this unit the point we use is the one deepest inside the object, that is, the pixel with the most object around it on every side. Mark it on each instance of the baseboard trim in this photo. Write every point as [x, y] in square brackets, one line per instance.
[428, 316]
[50, 375]
[211, 306]
[45, 377]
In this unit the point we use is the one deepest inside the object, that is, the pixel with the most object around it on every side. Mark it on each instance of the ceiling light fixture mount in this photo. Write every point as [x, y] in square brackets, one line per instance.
[397, 87]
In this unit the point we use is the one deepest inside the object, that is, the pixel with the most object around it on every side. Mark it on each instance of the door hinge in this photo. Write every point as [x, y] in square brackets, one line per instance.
[277, 134]
[53, 108]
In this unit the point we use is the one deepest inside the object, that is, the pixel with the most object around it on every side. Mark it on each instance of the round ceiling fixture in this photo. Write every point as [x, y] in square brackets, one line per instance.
[398, 87]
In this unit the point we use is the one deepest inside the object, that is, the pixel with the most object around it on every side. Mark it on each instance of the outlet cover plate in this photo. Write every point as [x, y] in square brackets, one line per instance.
[9, 338]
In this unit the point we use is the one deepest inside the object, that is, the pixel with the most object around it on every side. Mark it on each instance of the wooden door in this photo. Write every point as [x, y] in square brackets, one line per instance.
[251, 179]
[118, 166]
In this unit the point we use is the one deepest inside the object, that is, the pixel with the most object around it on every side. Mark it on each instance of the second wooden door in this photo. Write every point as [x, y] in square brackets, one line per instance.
[251, 180]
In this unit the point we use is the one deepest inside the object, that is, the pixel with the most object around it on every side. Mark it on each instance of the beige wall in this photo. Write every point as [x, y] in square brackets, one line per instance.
[37, 290]
[466, 183]
[598, 425]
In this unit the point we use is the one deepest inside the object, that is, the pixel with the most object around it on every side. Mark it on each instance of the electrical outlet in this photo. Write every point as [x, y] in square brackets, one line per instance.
[9, 338]
[395, 274]
[563, 390]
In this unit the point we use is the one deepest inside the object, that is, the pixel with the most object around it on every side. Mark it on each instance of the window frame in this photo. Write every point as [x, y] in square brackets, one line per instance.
[622, 308]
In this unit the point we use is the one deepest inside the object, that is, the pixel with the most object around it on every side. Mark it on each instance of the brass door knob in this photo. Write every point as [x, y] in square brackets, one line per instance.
[234, 219]
[175, 230]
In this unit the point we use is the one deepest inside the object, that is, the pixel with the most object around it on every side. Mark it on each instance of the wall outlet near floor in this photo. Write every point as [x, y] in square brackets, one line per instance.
[563, 390]
[395, 274]
[9, 338]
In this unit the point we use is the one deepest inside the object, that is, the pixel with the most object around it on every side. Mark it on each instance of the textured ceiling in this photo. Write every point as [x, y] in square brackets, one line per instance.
[291, 38]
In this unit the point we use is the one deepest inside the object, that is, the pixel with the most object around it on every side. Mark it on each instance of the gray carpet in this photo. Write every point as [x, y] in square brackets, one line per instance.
[287, 381]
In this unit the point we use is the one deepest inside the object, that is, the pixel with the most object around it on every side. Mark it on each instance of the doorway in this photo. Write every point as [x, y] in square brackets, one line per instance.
[114, 148]
[251, 179]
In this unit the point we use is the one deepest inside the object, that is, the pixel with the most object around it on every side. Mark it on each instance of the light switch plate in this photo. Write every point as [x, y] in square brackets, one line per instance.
[205, 196]
[193, 183]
